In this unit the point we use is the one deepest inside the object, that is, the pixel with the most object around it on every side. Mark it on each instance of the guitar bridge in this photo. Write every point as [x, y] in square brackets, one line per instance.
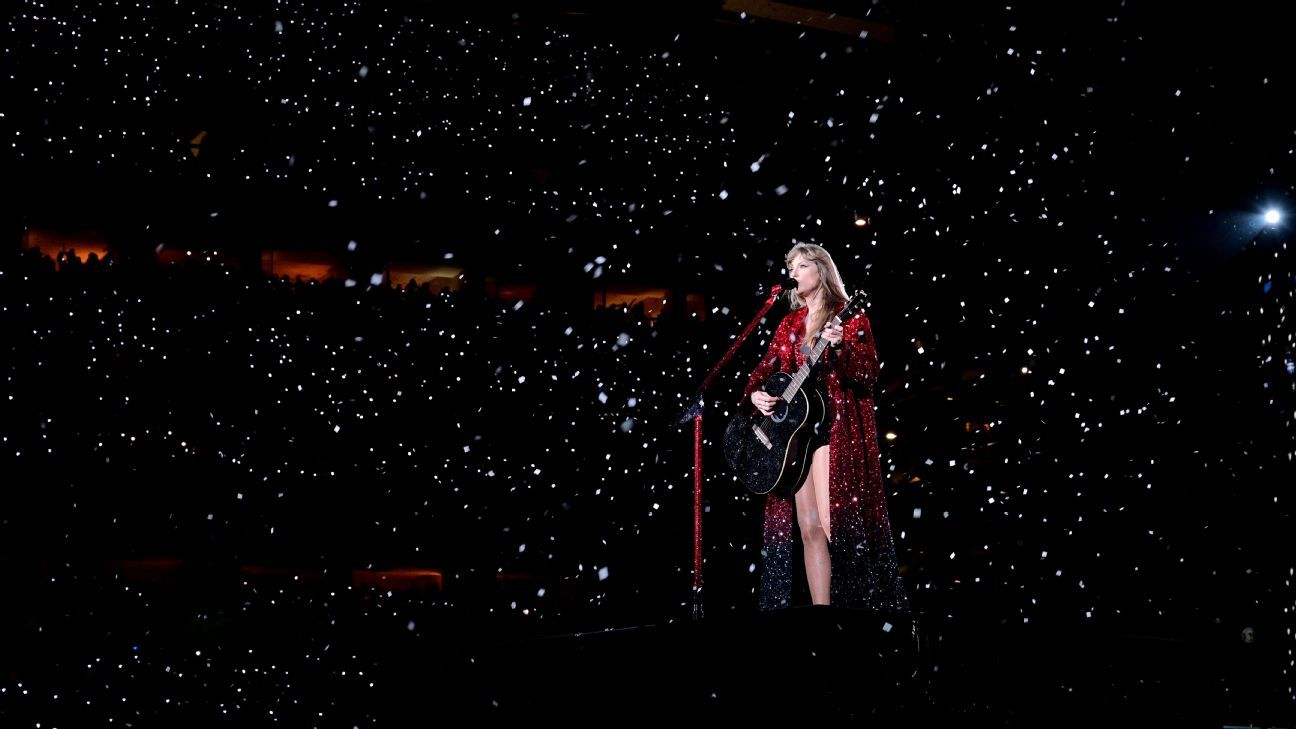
[760, 435]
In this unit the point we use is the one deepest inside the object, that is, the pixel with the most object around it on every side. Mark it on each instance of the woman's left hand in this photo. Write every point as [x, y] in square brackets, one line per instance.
[833, 333]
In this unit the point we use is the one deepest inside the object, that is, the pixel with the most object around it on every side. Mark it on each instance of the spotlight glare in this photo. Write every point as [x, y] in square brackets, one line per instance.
[1272, 217]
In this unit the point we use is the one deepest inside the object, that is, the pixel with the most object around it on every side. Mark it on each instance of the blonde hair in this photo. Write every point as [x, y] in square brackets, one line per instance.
[832, 290]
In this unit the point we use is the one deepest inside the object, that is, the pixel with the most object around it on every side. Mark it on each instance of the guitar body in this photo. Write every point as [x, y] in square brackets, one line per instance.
[773, 452]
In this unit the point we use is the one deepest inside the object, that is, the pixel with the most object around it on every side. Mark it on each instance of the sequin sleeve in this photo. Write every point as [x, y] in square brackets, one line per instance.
[767, 366]
[855, 360]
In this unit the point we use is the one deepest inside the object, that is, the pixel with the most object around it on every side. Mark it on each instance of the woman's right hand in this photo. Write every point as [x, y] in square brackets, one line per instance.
[763, 401]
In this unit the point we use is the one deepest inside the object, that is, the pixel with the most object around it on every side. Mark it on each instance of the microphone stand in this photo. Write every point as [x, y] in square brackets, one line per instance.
[693, 412]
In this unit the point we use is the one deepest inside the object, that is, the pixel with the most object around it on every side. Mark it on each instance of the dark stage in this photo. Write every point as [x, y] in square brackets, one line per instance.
[351, 356]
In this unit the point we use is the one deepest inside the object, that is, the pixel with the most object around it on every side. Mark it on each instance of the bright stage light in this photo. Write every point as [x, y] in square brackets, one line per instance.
[1272, 217]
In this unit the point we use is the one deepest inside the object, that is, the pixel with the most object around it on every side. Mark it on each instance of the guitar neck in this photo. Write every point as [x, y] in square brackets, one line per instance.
[803, 374]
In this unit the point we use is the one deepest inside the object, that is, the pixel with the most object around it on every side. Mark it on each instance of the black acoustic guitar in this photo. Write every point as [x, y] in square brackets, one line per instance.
[773, 452]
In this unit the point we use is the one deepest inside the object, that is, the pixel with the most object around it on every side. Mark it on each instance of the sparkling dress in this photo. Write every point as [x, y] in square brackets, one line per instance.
[861, 550]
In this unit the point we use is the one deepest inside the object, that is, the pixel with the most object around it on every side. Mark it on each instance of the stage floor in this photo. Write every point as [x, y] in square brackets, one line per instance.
[86, 648]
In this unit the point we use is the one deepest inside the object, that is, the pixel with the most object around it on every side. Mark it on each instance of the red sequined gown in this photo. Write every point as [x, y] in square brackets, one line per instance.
[862, 554]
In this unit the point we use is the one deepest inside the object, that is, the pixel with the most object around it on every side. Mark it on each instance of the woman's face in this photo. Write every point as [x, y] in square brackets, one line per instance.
[806, 275]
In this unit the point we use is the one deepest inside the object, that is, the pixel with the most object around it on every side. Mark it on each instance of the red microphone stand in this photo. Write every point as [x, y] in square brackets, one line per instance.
[694, 412]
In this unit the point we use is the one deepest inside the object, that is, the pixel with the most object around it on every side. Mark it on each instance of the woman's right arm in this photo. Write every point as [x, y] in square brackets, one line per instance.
[768, 365]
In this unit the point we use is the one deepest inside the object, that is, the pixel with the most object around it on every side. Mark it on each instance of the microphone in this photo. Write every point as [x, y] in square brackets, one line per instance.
[784, 285]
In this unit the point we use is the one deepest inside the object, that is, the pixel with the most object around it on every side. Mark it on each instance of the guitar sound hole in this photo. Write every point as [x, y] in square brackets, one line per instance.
[780, 412]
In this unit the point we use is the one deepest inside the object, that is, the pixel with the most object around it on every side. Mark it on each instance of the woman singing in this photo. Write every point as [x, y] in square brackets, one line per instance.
[840, 510]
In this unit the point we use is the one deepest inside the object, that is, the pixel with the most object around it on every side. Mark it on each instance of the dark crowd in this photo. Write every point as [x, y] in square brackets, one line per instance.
[268, 498]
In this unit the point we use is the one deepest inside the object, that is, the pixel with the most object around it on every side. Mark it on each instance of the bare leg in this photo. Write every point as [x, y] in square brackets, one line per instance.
[819, 467]
[815, 541]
